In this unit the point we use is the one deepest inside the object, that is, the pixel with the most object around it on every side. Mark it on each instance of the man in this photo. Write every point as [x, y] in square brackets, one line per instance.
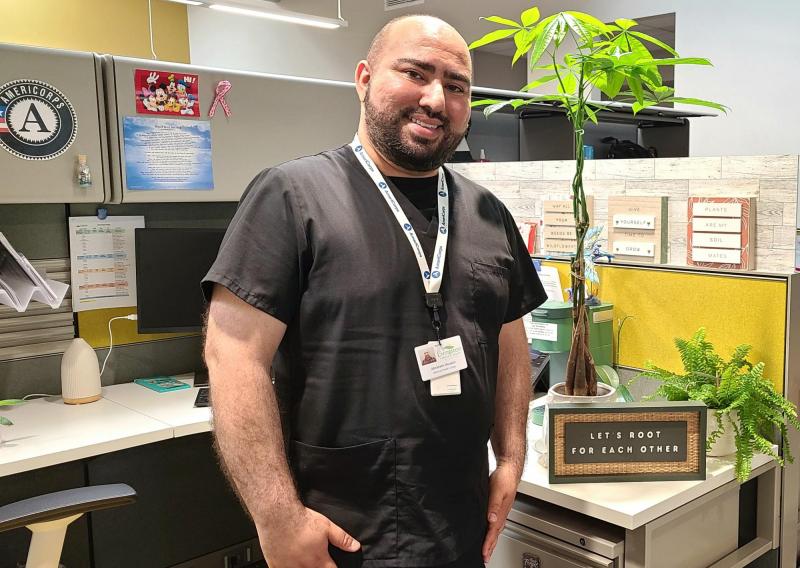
[340, 271]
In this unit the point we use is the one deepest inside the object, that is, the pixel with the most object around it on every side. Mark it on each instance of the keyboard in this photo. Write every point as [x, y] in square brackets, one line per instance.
[202, 398]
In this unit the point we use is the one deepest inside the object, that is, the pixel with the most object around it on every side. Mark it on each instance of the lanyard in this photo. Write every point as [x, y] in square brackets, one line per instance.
[431, 277]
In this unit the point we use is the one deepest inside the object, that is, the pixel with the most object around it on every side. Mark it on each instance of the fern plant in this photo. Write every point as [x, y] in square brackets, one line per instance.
[733, 387]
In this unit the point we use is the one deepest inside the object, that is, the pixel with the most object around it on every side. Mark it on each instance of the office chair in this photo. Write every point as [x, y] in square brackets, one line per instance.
[48, 516]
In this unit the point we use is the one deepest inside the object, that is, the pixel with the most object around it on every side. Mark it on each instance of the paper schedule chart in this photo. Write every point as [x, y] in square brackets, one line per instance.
[103, 261]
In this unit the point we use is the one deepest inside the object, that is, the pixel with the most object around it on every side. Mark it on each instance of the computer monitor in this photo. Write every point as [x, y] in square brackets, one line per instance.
[170, 263]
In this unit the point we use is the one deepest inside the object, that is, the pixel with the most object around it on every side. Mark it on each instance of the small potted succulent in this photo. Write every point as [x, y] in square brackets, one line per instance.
[3, 420]
[745, 410]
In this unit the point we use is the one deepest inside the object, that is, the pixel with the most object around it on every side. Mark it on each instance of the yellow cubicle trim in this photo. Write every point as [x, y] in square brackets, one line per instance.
[665, 304]
[93, 328]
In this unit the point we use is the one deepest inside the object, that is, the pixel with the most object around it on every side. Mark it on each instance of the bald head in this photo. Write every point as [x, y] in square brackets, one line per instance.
[412, 25]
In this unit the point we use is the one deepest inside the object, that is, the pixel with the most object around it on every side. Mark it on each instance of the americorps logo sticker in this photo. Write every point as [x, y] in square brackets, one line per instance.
[37, 122]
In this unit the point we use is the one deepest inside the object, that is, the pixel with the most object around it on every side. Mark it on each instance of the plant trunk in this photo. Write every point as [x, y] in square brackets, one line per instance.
[581, 377]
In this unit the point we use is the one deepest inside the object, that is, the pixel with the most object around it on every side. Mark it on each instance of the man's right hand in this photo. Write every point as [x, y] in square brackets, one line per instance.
[303, 542]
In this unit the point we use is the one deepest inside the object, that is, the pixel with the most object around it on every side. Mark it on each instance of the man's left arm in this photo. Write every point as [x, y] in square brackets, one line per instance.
[508, 437]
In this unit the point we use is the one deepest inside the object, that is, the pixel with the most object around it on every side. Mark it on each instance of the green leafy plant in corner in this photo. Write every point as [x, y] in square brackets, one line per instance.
[9, 402]
[605, 57]
[728, 385]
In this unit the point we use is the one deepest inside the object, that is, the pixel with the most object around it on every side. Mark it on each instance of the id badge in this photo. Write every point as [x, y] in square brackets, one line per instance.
[437, 360]
[448, 385]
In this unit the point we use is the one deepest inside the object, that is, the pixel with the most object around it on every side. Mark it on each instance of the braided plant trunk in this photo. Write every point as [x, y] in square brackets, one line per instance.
[581, 377]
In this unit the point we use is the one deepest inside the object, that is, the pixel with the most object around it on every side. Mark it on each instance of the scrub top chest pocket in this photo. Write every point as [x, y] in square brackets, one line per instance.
[490, 284]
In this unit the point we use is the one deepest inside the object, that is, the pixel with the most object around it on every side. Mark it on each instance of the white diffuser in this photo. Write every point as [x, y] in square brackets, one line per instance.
[80, 373]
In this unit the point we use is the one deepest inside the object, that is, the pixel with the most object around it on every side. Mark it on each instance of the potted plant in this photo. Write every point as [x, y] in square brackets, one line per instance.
[606, 57]
[745, 407]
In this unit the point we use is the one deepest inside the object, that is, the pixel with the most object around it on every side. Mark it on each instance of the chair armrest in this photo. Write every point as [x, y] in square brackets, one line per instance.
[60, 504]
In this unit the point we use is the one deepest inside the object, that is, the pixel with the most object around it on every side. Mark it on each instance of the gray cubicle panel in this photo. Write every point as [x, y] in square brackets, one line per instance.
[273, 119]
[37, 160]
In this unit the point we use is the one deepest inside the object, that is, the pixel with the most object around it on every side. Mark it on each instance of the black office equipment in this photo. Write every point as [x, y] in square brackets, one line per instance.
[201, 400]
[169, 266]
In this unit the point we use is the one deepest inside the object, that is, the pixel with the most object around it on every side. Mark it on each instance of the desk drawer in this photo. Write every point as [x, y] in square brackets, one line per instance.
[519, 547]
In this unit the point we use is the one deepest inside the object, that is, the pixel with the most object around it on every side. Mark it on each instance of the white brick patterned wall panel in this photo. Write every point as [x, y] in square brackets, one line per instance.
[672, 188]
[624, 169]
[784, 166]
[769, 213]
[518, 170]
[783, 190]
[688, 168]
[723, 187]
[502, 189]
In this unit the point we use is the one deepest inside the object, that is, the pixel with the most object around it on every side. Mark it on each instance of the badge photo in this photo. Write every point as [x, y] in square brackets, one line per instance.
[37, 122]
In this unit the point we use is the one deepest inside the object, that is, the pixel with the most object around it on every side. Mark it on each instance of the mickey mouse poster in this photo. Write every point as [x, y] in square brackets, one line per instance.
[167, 93]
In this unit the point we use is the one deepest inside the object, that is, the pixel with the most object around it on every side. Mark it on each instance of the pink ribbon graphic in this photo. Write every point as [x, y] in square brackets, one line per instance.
[222, 89]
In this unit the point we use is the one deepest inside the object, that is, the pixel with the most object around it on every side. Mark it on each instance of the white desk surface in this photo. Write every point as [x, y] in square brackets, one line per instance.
[175, 409]
[629, 505]
[48, 432]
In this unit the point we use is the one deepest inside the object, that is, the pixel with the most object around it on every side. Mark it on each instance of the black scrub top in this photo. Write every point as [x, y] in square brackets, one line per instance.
[313, 244]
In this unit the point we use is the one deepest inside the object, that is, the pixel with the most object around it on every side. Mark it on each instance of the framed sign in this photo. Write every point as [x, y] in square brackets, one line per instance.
[654, 441]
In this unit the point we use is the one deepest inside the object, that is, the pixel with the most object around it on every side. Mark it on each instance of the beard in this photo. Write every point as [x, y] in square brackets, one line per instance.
[385, 129]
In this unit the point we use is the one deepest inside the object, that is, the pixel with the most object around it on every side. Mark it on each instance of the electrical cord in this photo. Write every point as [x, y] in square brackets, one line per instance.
[133, 317]
[27, 396]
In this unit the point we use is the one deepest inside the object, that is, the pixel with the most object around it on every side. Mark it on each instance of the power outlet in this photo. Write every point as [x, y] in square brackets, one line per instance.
[238, 558]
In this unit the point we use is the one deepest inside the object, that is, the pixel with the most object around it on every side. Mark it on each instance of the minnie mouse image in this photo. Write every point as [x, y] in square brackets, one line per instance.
[164, 92]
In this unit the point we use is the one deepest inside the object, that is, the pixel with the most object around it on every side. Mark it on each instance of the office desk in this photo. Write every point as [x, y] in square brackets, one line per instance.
[48, 432]
[175, 409]
[667, 523]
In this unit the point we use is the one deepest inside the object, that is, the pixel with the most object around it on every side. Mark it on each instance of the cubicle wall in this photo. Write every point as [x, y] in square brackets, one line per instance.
[273, 119]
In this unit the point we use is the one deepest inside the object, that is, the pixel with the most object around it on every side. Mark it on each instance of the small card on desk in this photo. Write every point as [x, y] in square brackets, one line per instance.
[162, 384]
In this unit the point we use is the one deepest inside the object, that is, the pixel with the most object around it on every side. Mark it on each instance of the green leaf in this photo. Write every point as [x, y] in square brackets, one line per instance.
[699, 102]
[544, 31]
[540, 81]
[625, 24]
[681, 61]
[591, 114]
[626, 394]
[636, 87]
[484, 102]
[610, 83]
[655, 41]
[561, 31]
[5, 421]
[598, 26]
[584, 32]
[530, 16]
[523, 39]
[499, 20]
[637, 106]
[11, 402]
[491, 109]
[492, 37]
[568, 84]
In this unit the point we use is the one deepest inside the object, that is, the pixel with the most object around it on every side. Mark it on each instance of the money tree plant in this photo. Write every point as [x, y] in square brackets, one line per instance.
[578, 53]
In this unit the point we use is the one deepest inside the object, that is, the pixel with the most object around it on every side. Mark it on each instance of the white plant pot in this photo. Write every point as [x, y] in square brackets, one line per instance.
[557, 394]
[725, 445]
